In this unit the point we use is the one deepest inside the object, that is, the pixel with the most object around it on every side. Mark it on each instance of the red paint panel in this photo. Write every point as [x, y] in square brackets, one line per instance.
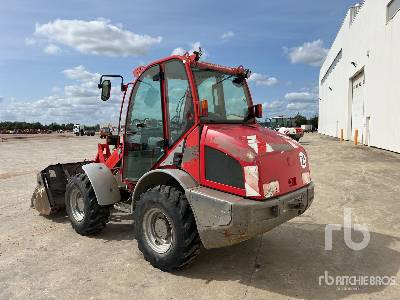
[110, 159]
[191, 155]
[224, 143]
[276, 156]
[114, 159]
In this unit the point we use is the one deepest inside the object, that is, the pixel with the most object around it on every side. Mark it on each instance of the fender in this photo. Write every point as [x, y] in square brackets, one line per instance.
[104, 183]
[162, 176]
[209, 211]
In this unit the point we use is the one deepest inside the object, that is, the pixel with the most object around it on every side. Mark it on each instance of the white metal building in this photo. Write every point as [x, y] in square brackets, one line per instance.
[359, 83]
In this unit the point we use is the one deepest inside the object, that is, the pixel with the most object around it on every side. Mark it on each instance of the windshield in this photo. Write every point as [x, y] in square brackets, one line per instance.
[227, 96]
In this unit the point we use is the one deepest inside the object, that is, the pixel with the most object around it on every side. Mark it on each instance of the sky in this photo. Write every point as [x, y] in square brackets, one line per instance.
[53, 52]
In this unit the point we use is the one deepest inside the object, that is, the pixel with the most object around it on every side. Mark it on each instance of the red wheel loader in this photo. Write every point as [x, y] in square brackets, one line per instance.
[192, 165]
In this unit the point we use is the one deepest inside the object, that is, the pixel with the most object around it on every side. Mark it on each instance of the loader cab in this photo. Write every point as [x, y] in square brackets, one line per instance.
[170, 102]
[160, 111]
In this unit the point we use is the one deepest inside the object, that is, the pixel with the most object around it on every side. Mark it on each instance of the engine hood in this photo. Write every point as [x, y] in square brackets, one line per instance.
[273, 164]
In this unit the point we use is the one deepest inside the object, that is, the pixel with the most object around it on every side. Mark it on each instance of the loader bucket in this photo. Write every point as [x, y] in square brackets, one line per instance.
[48, 196]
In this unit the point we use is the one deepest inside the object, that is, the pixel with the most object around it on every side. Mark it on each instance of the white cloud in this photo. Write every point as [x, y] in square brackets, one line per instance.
[307, 108]
[260, 79]
[77, 102]
[310, 53]
[227, 35]
[178, 51]
[274, 105]
[79, 73]
[304, 101]
[298, 106]
[193, 47]
[51, 49]
[96, 37]
[275, 108]
[301, 97]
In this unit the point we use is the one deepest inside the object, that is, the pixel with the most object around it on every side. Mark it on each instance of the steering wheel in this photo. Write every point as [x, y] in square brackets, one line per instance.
[138, 121]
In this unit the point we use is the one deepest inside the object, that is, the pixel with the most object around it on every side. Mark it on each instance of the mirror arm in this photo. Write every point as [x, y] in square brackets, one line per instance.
[123, 86]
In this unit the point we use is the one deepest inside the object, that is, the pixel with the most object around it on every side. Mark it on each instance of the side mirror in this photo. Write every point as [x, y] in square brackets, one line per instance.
[204, 108]
[105, 87]
[258, 111]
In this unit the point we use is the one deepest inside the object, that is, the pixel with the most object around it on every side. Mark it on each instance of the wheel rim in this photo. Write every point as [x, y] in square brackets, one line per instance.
[77, 204]
[158, 230]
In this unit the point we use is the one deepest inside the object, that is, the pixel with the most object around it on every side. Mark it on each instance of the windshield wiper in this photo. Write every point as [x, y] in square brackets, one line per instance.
[222, 80]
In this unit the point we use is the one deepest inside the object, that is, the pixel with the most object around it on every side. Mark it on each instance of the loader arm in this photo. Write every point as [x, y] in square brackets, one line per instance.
[110, 159]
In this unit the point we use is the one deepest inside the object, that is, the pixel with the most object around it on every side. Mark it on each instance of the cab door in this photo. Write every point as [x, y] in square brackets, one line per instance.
[144, 133]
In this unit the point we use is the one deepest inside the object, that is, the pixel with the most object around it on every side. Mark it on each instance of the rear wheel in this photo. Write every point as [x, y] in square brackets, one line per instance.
[86, 215]
[165, 228]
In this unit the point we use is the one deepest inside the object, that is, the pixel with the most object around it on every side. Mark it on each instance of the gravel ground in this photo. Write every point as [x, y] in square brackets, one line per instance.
[44, 258]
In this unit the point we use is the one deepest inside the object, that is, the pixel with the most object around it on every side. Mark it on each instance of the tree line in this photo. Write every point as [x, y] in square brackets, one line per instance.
[299, 120]
[37, 125]
[302, 120]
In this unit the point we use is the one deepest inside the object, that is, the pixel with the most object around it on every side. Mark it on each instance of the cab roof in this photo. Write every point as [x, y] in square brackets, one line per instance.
[194, 60]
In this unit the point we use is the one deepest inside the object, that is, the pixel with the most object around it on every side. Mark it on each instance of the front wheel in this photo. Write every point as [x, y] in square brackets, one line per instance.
[165, 228]
[86, 215]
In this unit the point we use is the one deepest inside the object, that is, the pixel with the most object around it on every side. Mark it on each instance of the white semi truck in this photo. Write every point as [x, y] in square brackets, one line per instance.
[80, 130]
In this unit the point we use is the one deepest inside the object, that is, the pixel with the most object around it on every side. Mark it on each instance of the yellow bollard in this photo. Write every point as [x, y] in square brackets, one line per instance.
[341, 135]
[356, 137]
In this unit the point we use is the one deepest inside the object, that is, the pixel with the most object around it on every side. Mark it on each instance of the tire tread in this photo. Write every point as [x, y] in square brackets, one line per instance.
[190, 247]
[96, 216]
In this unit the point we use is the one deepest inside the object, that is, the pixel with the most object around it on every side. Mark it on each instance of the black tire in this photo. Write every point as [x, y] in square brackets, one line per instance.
[95, 217]
[185, 245]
